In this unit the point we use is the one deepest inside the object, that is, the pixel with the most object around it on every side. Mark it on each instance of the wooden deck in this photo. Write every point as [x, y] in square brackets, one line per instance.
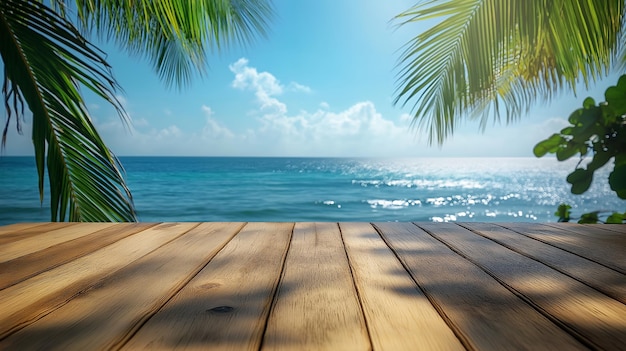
[315, 286]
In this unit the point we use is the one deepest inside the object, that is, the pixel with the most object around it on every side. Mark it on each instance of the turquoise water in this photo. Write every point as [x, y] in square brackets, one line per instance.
[328, 189]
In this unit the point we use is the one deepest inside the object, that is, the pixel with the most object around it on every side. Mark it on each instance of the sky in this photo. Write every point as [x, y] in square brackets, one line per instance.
[321, 84]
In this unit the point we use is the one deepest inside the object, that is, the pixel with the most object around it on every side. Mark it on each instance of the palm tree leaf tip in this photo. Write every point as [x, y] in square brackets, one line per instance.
[499, 57]
[46, 62]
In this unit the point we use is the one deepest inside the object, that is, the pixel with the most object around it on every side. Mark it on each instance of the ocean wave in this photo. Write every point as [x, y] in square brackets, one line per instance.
[493, 214]
[422, 183]
[393, 204]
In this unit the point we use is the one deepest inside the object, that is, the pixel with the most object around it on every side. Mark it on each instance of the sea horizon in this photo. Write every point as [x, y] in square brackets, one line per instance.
[336, 189]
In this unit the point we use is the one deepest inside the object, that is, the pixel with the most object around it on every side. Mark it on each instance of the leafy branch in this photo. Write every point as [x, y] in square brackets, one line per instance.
[597, 130]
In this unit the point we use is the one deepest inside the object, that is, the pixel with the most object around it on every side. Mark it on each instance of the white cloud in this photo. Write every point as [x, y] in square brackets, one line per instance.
[264, 85]
[249, 78]
[406, 118]
[293, 86]
[140, 122]
[207, 110]
[358, 130]
[169, 132]
[212, 128]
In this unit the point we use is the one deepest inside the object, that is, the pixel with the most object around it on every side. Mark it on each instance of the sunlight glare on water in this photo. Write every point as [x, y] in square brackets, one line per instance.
[330, 189]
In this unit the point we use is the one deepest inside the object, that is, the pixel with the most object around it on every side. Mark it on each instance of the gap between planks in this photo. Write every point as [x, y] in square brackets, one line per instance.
[591, 316]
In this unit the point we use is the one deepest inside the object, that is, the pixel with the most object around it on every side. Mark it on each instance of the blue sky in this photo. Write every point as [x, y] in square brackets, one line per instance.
[320, 84]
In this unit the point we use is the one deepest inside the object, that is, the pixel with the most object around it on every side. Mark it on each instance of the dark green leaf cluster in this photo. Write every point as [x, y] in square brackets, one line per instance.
[565, 215]
[596, 130]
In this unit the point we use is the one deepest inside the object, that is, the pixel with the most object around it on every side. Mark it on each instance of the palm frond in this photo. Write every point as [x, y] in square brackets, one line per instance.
[175, 35]
[489, 56]
[46, 62]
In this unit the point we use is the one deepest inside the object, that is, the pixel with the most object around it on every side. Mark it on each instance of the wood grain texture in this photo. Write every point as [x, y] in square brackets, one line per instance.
[26, 266]
[19, 231]
[604, 247]
[484, 314]
[11, 228]
[316, 306]
[599, 277]
[387, 286]
[108, 313]
[618, 228]
[35, 243]
[31, 299]
[225, 306]
[584, 311]
[399, 316]
[605, 233]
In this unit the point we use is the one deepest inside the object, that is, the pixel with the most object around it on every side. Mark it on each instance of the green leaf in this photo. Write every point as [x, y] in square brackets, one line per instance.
[589, 103]
[616, 97]
[574, 117]
[616, 218]
[621, 82]
[580, 180]
[175, 35]
[563, 212]
[492, 60]
[45, 60]
[549, 145]
[617, 180]
[589, 116]
[583, 149]
[589, 218]
[600, 158]
[568, 151]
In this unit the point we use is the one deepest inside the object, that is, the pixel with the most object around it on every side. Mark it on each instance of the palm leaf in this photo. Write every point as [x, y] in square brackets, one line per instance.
[485, 56]
[176, 34]
[46, 61]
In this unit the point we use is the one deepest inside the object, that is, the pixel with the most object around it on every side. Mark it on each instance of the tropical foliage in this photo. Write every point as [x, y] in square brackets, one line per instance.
[496, 58]
[48, 59]
[598, 131]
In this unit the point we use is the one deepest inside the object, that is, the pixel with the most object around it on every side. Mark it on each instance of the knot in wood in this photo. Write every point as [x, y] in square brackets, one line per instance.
[221, 309]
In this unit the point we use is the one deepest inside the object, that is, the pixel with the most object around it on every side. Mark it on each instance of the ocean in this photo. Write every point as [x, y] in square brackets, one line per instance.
[329, 189]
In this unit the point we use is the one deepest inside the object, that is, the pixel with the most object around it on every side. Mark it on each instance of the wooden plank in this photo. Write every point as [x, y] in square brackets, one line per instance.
[226, 305]
[19, 231]
[35, 243]
[398, 314]
[316, 305]
[619, 228]
[484, 314]
[23, 303]
[599, 277]
[24, 267]
[606, 248]
[583, 228]
[604, 231]
[108, 313]
[593, 317]
[10, 228]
